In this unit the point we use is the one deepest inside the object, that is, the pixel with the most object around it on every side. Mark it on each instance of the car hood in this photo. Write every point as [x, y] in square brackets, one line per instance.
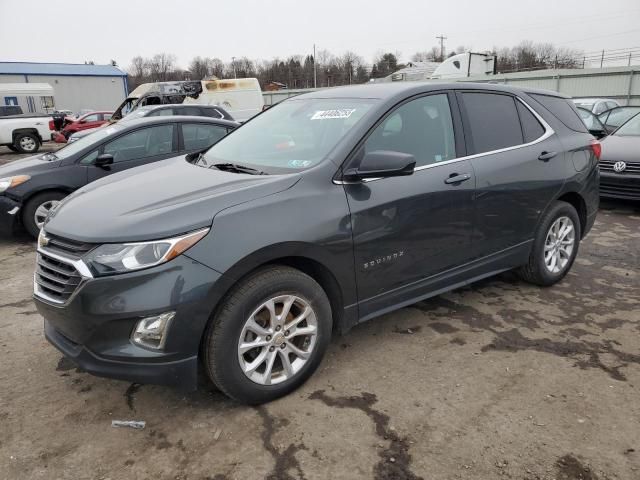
[619, 148]
[157, 201]
[27, 166]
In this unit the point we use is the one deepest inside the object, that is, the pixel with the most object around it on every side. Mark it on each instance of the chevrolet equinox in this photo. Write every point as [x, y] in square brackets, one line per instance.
[324, 211]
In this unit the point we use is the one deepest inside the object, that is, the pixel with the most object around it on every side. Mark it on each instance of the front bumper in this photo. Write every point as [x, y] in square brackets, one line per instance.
[620, 185]
[9, 215]
[94, 327]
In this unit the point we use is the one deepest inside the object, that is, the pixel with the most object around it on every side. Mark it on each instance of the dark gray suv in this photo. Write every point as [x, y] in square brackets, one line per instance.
[327, 210]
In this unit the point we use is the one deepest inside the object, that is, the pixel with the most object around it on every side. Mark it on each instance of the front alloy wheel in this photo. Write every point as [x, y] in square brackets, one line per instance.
[277, 340]
[268, 335]
[42, 212]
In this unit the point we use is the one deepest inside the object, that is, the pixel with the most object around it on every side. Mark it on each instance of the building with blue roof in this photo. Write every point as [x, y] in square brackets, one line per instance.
[76, 86]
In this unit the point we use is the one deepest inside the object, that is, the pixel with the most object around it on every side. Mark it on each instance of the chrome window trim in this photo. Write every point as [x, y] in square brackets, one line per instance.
[80, 267]
[547, 133]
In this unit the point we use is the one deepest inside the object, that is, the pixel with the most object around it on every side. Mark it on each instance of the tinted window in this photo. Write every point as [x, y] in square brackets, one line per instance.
[421, 127]
[212, 112]
[142, 143]
[90, 157]
[532, 129]
[563, 109]
[493, 120]
[161, 112]
[189, 111]
[200, 135]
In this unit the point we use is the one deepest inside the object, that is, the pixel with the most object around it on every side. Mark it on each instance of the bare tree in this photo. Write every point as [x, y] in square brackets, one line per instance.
[161, 67]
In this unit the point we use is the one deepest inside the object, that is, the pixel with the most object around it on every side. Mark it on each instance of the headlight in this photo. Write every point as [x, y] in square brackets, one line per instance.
[10, 182]
[114, 258]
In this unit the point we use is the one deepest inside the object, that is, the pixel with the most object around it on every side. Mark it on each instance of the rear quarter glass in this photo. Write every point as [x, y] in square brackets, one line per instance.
[563, 109]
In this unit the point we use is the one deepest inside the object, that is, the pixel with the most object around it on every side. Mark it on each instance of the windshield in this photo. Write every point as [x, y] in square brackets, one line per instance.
[136, 114]
[289, 137]
[630, 129]
[80, 144]
[589, 119]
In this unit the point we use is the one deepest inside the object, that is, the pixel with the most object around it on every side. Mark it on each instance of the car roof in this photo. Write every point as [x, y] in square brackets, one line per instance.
[594, 99]
[389, 90]
[175, 118]
[171, 105]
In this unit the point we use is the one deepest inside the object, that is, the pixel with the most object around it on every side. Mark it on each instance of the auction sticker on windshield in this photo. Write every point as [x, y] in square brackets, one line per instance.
[327, 114]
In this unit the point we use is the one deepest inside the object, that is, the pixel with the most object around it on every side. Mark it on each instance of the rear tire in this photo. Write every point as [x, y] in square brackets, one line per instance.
[27, 143]
[34, 212]
[555, 246]
[290, 341]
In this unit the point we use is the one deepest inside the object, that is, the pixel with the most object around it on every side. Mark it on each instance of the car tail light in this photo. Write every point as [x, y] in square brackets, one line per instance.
[51, 125]
[596, 146]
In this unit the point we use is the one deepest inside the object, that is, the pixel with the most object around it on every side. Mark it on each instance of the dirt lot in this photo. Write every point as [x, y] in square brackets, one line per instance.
[501, 380]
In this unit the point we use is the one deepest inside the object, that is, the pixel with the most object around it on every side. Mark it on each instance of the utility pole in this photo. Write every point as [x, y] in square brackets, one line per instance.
[233, 63]
[602, 59]
[315, 71]
[442, 38]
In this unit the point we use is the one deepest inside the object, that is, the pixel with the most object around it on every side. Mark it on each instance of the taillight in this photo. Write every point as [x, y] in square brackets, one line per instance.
[51, 125]
[597, 148]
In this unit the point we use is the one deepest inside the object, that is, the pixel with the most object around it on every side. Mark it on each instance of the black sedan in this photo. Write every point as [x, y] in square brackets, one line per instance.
[30, 187]
[620, 162]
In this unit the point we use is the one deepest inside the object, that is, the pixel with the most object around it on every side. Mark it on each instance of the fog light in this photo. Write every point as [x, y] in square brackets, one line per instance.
[151, 332]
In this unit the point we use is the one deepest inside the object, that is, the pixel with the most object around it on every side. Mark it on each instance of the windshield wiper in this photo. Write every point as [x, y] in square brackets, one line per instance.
[234, 167]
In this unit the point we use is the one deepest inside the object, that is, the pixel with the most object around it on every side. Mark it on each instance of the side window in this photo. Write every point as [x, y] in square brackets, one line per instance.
[532, 129]
[189, 111]
[563, 109]
[422, 127]
[91, 118]
[89, 158]
[493, 120]
[161, 112]
[211, 112]
[200, 135]
[106, 116]
[142, 143]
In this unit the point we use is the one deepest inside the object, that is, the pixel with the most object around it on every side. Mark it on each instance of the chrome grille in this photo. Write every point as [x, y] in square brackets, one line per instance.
[55, 280]
[632, 167]
[68, 246]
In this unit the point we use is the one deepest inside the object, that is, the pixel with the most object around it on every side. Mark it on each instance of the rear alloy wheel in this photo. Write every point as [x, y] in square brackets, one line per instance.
[27, 143]
[38, 208]
[555, 246]
[268, 336]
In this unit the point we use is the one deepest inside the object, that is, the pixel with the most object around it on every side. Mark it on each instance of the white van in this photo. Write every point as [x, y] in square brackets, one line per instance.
[241, 97]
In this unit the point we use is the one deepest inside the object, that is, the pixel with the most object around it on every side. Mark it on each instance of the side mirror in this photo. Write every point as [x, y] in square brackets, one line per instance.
[103, 160]
[382, 164]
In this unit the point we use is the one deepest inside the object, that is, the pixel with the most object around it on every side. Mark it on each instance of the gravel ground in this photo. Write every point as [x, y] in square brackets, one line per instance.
[500, 380]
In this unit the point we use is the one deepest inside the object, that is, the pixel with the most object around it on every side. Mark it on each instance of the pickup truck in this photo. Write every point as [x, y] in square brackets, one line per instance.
[25, 133]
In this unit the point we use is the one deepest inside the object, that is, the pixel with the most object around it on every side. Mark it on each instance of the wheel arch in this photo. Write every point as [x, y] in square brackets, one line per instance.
[19, 131]
[307, 260]
[578, 202]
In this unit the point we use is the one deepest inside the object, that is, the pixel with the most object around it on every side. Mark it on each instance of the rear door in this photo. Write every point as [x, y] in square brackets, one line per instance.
[519, 166]
[135, 148]
[407, 229]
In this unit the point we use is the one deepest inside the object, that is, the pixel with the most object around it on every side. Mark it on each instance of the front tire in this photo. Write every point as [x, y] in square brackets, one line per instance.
[555, 246]
[268, 336]
[37, 208]
[27, 143]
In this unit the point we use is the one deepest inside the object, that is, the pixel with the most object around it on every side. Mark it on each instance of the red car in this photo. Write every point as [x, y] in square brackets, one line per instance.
[88, 120]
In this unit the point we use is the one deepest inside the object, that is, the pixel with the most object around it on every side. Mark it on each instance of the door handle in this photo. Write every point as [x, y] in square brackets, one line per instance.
[457, 178]
[546, 156]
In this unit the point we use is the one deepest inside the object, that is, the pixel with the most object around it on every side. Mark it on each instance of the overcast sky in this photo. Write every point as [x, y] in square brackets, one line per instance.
[77, 30]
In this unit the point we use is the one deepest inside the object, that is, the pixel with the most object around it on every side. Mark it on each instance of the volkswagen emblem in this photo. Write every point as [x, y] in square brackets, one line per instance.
[619, 167]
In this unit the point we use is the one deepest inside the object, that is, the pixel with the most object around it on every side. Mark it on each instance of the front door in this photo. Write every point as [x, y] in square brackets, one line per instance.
[407, 229]
[139, 147]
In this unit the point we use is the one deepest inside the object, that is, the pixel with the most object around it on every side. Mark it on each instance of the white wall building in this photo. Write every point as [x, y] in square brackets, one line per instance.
[76, 86]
